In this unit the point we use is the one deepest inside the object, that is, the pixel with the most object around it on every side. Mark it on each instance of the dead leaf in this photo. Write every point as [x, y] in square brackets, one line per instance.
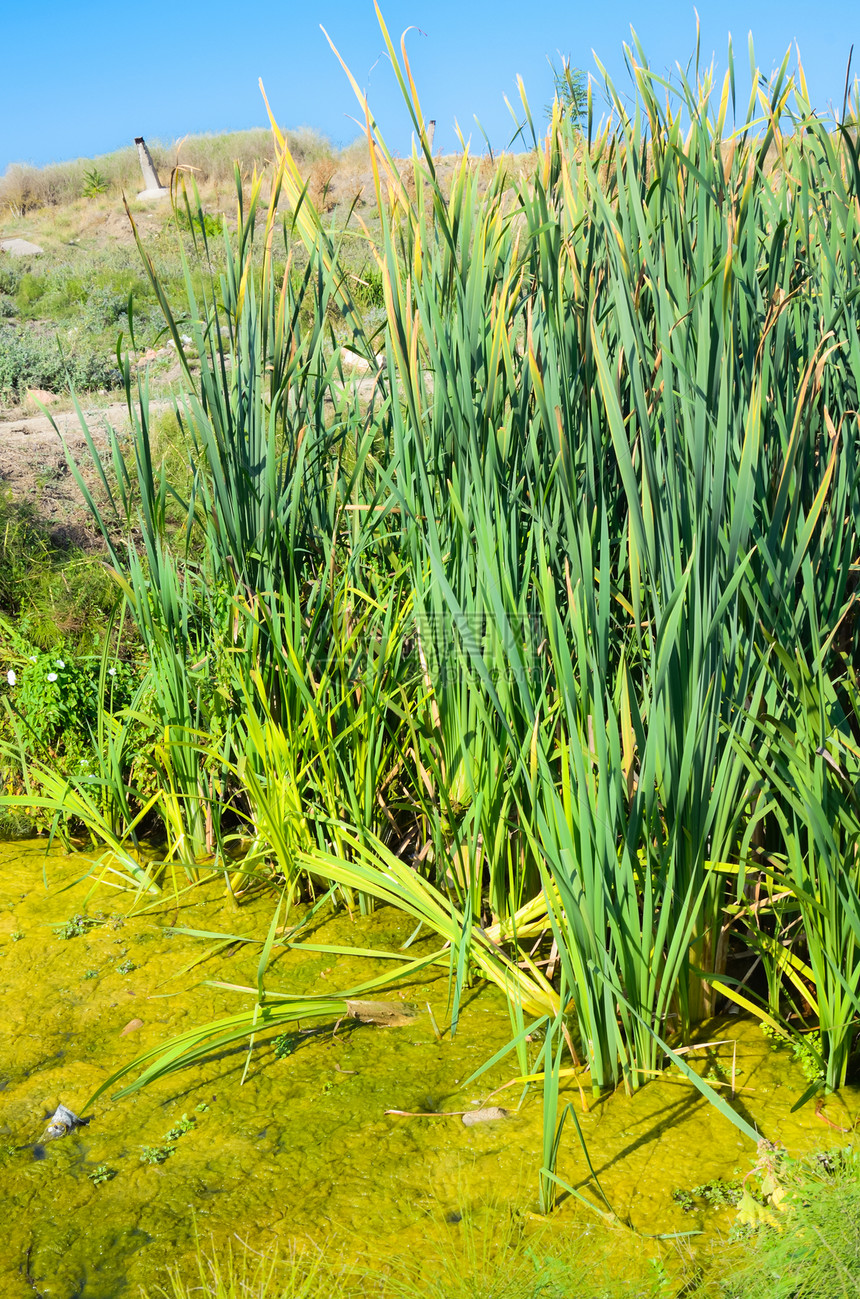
[392, 1014]
[131, 1026]
[486, 1115]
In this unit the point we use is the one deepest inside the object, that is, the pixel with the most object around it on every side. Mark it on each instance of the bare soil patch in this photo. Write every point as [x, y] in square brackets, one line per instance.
[35, 469]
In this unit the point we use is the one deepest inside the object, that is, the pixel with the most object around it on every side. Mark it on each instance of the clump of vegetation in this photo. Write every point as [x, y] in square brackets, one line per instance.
[53, 596]
[716, 1194]
[56, 695]
[201, 223]
[285, 1044]
[101, 1174]
[807, 1049]
[156, 1154]
[77, 925]
[161, 1153]
[94, 183]
[184, 1125]
[802, 1227]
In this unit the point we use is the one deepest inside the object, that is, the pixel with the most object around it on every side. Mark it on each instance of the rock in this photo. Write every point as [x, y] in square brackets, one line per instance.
[359, 363]
[20, 248]
[37, 397]
[154, 354]
[62, 1122]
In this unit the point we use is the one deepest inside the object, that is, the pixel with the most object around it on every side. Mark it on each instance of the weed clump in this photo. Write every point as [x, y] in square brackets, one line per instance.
[76, 925]
[805, 1241]
[101, 1174]
[161, 1153]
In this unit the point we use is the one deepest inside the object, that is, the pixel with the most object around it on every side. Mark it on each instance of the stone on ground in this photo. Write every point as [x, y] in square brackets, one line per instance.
[20, 247]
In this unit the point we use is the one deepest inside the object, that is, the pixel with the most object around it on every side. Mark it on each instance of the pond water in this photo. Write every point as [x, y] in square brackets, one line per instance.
[303, 1151]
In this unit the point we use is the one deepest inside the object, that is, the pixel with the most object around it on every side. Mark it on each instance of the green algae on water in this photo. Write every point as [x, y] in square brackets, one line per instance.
[303, 1151]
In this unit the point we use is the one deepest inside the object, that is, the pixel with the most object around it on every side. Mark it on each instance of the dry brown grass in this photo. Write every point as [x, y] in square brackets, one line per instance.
[208, 158]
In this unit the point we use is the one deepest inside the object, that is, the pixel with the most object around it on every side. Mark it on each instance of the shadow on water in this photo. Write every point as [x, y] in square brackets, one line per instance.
[48, 1262]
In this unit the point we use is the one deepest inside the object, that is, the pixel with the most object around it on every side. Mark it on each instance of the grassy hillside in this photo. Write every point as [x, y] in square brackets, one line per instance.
[62, 313]
[210, 158]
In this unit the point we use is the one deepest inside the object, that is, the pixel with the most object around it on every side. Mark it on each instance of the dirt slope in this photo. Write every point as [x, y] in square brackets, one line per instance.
[34, 467]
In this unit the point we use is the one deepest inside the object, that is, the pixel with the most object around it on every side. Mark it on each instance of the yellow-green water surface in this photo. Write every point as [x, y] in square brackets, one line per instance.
[303, 1150]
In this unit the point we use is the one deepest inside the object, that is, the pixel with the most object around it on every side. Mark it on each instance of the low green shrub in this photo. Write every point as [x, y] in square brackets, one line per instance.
[55, 695]
[10, 277]
[16, 824]
[23, 549]
[367, 287]
[201, 223]
[105, 309]
[57, 698]
[67, 602]
[31, 360]
[30, 289]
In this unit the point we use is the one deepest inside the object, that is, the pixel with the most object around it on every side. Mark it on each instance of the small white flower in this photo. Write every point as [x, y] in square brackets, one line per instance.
[10, 677]
[52, 676]
[60, 663]
[111, 672]
[33, 659]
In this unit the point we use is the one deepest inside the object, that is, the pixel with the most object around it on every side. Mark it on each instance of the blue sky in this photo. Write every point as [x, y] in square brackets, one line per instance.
[88, 76]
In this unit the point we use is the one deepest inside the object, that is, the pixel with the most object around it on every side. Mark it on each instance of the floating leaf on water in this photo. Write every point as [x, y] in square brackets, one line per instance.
[131, 1026]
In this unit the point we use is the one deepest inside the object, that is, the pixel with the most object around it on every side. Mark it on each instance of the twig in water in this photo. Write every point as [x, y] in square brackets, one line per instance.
[433, 1022]
[819, 1114]
[428, 1114]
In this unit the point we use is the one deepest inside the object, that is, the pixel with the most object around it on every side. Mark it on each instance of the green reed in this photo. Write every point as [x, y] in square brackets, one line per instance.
[510, 641]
